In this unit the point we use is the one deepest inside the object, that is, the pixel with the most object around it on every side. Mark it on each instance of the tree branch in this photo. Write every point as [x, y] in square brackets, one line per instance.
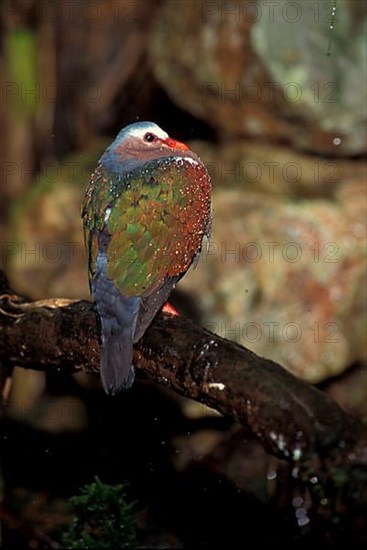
[294, 420]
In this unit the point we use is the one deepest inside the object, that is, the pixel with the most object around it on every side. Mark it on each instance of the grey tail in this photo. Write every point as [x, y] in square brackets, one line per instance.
[117, 370]
[117, 314]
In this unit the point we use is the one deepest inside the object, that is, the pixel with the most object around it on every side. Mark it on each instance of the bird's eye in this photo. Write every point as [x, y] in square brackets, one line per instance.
[150, 137]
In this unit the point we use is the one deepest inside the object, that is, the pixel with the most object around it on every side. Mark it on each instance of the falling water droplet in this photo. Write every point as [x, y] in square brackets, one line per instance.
[333, 20]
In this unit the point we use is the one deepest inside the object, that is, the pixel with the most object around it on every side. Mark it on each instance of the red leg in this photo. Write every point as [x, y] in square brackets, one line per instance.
[168, 308]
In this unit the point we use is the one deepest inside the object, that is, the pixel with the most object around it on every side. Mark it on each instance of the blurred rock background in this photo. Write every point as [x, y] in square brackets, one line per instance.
[275, 100]
[271, 96]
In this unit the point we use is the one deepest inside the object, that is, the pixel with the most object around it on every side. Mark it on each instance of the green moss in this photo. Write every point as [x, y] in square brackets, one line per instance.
[102, 518]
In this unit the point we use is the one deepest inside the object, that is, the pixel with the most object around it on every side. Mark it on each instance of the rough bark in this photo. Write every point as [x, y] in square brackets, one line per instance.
[294, 420]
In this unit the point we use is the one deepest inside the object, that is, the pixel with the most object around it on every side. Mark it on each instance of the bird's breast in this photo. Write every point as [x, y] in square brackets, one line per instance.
[157, 224]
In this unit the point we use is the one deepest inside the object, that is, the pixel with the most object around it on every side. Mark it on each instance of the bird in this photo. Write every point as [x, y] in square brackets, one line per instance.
[146, 212]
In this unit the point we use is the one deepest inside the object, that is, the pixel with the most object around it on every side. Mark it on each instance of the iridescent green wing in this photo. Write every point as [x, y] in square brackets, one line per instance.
[157, 224]
[103, 189]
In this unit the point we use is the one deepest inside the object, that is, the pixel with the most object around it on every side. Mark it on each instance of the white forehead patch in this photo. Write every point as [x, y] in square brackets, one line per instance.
[141, 128]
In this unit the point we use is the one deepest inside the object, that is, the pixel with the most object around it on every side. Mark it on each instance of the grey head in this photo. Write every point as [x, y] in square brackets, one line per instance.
[138, 143]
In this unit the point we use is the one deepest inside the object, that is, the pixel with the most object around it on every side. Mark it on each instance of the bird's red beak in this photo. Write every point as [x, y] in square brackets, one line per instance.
[175, 144]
